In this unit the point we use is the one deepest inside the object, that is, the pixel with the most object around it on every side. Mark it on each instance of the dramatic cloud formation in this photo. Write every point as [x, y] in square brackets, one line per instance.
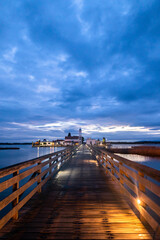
[79, 63]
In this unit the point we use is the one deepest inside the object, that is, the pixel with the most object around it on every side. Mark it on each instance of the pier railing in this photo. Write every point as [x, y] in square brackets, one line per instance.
[19, 182]
[140, 184]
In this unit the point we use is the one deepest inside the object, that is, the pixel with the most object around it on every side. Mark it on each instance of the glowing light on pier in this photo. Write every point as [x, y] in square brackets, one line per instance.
[138, 201]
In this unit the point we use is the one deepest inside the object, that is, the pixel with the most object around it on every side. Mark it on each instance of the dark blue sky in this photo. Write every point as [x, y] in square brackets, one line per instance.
[93, 64]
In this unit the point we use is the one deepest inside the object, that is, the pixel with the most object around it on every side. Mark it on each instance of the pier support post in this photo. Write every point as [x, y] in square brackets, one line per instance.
[112, 168]
[39, 181]
[50, 164]
[120, 176]
[142, 188]
[16, 200]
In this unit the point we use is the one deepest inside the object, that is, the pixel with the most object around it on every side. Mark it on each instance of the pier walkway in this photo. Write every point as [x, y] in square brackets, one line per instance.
[80, 202]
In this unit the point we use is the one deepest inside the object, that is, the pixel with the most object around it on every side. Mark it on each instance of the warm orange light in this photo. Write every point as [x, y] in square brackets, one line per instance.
[139, 201]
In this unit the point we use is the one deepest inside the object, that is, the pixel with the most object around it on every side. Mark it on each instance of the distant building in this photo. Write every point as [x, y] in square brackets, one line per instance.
[45, 143]
[69, 141]
[90, 141]
[59, 142]
[73, 140]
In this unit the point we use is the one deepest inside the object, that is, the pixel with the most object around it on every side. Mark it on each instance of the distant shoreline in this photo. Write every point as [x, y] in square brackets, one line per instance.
[112, 142]
[140, 150]
[139, 142]
[9, 148]
[15, 143]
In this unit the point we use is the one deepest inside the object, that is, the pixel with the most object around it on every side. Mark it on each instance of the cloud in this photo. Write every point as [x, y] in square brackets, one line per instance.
[88, 128]
[81, 74]
[31, 78]
[46, 89]
[9, 55]
[90, 64]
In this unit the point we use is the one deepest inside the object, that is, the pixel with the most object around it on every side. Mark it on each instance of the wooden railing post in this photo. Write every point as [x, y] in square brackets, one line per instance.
[64, 155]
[50, 164]
[142, 188]
[67, 154]
[56, 161]
[106, 164]
[15, 202]
[112, 168]
[102, 159]
[120, 177]
[98, 158]
[39, 180]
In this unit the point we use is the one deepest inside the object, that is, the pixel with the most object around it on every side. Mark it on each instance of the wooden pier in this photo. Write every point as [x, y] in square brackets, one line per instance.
[80, 201]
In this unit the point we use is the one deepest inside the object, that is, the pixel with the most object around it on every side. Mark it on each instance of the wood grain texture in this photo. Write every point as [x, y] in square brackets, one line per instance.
[80, 202]
[134, 180]
[55, 161]
[153, 173]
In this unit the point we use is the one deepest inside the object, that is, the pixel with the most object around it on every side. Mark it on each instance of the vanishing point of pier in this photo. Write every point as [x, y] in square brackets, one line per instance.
[80, 193]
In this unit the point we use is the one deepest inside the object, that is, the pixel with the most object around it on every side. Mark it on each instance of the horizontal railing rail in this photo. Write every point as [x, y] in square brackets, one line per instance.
[139, 183]
[17, 180]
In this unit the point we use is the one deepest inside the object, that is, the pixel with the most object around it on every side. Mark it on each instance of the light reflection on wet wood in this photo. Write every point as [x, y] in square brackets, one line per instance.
[81, 202]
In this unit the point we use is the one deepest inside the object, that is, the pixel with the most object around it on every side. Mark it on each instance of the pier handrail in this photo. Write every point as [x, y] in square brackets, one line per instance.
[139, 183]
[38, 171]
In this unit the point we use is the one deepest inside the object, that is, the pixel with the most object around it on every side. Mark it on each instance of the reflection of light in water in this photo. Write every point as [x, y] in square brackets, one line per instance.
[153, 162]
[37, 151]
[52, 149]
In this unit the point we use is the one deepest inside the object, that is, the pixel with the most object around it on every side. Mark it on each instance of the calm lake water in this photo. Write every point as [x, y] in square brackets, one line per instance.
[153, 162]
[26, 152]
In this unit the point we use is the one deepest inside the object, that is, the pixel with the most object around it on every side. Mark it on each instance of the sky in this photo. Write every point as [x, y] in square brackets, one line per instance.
[67, 64]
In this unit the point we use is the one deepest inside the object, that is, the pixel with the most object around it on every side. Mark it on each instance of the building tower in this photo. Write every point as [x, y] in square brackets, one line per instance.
[80, 136]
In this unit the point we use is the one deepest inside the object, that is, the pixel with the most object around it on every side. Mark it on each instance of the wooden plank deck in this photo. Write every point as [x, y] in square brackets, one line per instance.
[80, 202]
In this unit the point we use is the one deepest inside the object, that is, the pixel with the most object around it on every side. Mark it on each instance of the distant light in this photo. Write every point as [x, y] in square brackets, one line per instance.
[139, 201]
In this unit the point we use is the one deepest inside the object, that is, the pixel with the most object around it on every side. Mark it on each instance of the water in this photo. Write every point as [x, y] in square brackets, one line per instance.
[26, 152]
[153, 162]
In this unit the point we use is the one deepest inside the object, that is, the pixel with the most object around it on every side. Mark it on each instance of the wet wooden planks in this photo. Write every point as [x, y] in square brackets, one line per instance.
[81, 202]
